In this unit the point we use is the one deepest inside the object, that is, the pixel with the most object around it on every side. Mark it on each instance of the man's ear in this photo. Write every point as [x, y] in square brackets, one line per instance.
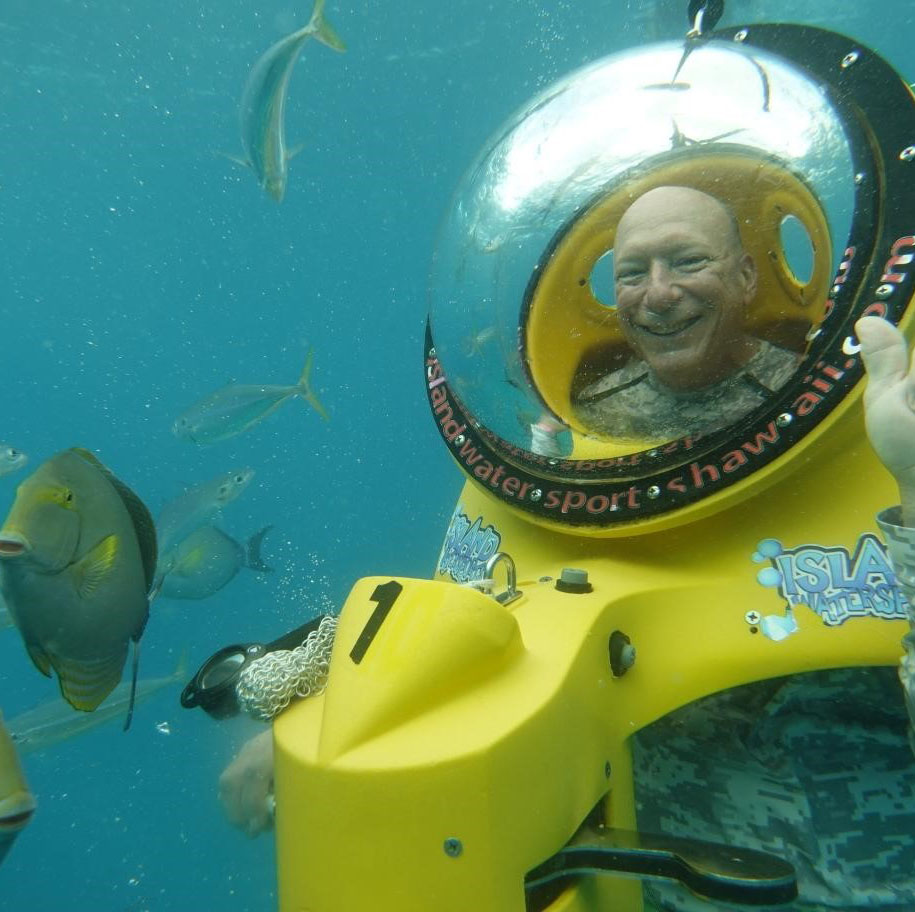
[749, 275]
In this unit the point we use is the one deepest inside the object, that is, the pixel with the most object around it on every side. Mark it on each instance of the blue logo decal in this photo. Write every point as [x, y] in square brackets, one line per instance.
[835, 584]
[467, 548]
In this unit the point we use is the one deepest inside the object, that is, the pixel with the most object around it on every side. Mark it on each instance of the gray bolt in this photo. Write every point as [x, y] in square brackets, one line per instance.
[850, 58]
[459, 439]
[784, 419]
[653, 492]
[884, 291]
[741, 35]
[536, 494]
[453, 847]
[573, 576]
[907, 154]
[627, 656]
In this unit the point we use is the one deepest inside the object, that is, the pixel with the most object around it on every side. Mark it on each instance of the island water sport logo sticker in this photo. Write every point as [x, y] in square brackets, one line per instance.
[832, 582]
[468, 546]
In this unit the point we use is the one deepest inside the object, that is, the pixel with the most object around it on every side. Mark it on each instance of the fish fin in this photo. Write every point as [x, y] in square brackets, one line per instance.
[189, 563]
[180, 672]
[304, 388]
[95, 566]
[291, 153]
[235, 159]
[133, 684]
[253, 559]
[84, 683]
[89, 456]
[140, 517]
[39, 658]
[323, 30]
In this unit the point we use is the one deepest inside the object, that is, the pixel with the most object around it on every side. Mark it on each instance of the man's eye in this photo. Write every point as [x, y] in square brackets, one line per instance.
[691, 263]
[630, 276]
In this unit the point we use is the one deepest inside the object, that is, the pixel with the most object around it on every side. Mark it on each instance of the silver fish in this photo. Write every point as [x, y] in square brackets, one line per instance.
[235, 408]
[52, 722]
[208, 559]
[11, 459]
[16, 802]
[77, 557]
[263, 103]
[196, 507]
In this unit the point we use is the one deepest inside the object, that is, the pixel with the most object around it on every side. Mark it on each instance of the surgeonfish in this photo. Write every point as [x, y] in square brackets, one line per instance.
[16, 802]
[233, 409]
[77, 557]
[196, 506]
[208, 559]
[53, 722]
[263, 103]
[11, 459]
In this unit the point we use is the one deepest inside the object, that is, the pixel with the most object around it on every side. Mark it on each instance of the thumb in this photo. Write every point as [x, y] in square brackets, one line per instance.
[883, 349]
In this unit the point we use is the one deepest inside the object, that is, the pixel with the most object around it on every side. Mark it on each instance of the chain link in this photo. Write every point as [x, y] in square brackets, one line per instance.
[267, 686]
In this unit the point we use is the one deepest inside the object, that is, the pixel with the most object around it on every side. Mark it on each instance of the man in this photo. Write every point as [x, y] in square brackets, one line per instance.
[683, 286]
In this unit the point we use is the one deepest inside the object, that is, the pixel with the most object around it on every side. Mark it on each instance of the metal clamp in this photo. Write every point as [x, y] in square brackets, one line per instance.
[511, 577]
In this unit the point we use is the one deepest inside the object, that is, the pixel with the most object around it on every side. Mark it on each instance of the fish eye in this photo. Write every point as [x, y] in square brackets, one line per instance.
[223, 490]
[239, 479]
[68, 496]
[12, 452]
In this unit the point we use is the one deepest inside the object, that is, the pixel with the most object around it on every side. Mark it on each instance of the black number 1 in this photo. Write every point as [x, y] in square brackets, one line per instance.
[385, 594]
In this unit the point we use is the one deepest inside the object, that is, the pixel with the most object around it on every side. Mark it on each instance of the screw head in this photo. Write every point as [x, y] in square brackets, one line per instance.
[883, 291]
[453, 847]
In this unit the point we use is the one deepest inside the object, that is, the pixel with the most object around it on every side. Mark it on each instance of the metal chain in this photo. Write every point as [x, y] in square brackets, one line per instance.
[267, 686]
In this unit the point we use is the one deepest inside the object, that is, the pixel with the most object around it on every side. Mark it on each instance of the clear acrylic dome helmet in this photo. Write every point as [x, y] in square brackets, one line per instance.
[522, 310]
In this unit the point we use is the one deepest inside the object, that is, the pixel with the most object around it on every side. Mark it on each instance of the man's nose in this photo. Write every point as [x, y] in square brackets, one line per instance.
[661, 291]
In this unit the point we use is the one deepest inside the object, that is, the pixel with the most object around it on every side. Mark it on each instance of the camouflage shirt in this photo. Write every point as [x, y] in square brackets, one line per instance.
[632, 402]
[815, 768]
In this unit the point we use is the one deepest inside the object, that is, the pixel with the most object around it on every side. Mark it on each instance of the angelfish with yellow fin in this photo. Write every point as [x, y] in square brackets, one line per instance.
[77, 559]
[16, 802]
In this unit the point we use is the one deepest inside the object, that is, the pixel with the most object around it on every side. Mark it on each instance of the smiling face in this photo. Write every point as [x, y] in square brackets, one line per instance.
[683, 284]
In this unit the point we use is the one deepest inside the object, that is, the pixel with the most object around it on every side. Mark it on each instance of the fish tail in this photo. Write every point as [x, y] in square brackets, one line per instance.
[323, 30]
[305, 391]
[253, 558]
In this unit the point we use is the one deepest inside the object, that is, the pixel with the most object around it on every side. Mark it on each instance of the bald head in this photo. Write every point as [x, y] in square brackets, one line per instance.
[660, 206]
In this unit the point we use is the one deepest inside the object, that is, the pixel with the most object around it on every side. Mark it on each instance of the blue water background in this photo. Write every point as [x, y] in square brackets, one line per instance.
[141, 269]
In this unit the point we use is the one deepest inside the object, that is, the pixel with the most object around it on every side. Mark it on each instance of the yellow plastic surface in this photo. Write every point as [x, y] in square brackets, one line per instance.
[468, 720]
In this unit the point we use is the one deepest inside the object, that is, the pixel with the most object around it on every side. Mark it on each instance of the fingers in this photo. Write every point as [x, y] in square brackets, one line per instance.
[246, 786]
[883, 349]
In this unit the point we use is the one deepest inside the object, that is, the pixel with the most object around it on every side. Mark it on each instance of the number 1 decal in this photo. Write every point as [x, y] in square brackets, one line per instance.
[385, 595]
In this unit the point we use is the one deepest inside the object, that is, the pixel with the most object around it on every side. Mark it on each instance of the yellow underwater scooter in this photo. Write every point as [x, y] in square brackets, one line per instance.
[472, 748]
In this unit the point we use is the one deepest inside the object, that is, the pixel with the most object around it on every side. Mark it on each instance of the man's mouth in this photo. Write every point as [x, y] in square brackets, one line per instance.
[669, 329]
